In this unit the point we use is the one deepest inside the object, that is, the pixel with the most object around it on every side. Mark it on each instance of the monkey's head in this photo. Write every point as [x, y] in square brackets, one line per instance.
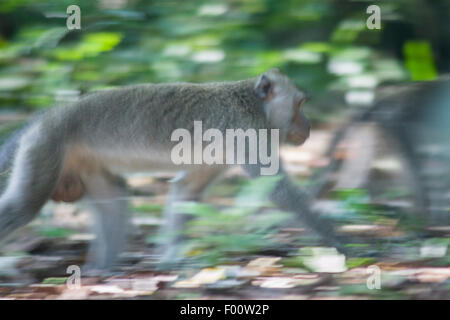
[283, 102]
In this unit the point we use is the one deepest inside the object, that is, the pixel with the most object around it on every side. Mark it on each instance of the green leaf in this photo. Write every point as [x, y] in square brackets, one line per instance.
[419, 60]
[148, 207]
[55, 280]
[55, 232]
[358, 262]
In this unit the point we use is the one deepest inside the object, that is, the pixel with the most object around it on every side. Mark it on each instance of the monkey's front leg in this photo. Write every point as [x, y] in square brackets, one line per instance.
[187, 186]
[291, 198]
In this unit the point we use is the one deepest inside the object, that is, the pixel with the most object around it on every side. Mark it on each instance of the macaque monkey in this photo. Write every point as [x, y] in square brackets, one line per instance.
[79, 151]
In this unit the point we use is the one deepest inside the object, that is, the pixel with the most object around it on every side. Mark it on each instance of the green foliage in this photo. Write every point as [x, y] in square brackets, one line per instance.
[90, 46]
[55, 280]
[55, 232]
[356, 205]
[219, 234]
[294, 262]
[148, 207]
[156, 41]
[358, 262]
[419, 60]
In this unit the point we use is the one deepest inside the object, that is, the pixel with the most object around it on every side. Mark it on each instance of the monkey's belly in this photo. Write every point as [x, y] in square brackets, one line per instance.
[131, 160]
[83, 162]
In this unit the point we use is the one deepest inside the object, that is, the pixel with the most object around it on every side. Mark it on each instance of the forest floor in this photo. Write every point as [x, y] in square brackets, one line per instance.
[391, 264]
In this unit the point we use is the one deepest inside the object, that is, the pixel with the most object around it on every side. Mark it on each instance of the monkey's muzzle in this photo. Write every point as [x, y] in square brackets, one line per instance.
[298, 137]
[300, 128]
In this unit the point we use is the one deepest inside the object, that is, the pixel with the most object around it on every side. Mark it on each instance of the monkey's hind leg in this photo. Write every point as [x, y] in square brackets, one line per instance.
[35, 171]
[107, 197]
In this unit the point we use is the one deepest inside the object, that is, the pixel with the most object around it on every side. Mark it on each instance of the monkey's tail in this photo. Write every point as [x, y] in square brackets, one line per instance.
[30, 160]
[10, 142]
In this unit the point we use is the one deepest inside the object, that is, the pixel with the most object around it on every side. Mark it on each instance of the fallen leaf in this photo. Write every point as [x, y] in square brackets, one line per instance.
[432, 274]
[205, 276]
[106, 289]
[325, 260]
[264, 266]
[433, 251]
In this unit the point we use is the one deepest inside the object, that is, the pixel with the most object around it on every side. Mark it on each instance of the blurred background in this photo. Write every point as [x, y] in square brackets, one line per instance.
[324, 46]
[377, 162]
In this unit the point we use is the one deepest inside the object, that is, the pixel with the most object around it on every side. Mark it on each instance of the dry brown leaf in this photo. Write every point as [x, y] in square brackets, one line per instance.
[205, 276]
[264, 266]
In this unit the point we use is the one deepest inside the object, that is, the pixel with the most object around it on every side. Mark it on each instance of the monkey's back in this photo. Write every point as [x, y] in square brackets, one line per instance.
[120, 126]
[159, 109]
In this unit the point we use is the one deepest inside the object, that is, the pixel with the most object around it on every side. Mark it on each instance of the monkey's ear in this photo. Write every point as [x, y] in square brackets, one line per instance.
[263, 87]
